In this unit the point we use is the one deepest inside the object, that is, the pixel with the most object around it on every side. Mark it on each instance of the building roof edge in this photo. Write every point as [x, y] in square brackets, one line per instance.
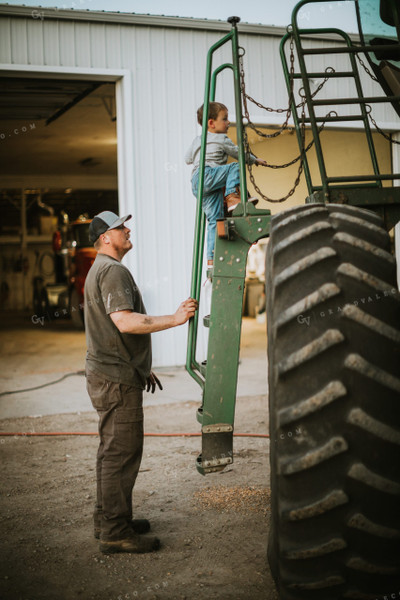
[42, 13]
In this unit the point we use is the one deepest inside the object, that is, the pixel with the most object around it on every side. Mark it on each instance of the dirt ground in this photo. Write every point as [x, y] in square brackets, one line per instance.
[213, 529]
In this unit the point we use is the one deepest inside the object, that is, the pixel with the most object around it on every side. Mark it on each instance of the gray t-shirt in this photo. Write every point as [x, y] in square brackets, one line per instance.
[218, 148]
[118, 357]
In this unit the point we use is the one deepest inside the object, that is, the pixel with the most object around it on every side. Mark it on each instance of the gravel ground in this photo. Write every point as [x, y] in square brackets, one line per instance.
[213, 529]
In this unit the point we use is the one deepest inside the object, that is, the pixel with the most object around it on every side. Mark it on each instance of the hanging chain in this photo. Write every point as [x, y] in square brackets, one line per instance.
[364, 66]
[287, 110]
[302, 104]
[246, 97]
[300, 170]
[379, 130]
[304, 150]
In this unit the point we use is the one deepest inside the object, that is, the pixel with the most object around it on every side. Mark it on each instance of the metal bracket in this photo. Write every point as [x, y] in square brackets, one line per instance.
[223, 229]
[217, 428]
[218, 462]
[212, 466]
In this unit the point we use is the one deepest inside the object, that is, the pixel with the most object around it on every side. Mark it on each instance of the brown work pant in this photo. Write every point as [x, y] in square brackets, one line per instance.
[120, 410]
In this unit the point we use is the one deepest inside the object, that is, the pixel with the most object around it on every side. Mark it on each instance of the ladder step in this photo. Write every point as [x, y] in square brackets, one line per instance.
[350, 49]
[338, 118]
[365, 100]
[323, 74]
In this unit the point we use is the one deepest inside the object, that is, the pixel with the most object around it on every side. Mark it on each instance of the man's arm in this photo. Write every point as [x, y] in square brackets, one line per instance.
[128, 321]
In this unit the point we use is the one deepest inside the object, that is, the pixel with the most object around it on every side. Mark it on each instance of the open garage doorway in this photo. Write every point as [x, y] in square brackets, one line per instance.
[58, 167]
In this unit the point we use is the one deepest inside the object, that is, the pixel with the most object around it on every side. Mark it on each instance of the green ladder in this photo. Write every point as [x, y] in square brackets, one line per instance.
[245, 226]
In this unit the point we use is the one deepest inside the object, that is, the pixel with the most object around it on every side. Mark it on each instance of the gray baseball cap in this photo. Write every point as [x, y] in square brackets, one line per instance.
[103, 222]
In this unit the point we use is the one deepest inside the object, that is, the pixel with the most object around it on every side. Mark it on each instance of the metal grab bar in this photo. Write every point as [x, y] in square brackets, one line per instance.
[192, 366]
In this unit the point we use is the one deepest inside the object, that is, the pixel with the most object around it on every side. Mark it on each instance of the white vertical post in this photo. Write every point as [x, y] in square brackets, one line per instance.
[125, 154]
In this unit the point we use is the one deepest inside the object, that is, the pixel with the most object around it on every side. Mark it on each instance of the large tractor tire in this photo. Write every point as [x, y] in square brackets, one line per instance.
[333, 318]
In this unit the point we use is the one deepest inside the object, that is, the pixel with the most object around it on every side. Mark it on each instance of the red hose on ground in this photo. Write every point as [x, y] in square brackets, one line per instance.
[56, 433]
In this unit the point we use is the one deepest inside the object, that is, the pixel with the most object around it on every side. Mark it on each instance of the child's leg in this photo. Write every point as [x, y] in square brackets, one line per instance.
[214, 209]
[233, 179]
[212, 202]
[216, 178]
[232, 185]
[232, 190]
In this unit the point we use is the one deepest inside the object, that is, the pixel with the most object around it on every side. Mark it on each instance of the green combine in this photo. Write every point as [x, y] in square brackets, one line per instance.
[333, 323]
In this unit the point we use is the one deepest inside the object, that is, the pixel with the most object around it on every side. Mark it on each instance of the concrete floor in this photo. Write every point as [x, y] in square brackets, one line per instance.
[33, 355]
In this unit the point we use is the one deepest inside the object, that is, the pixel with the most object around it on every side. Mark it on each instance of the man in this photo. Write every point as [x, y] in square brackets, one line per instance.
[118, 369]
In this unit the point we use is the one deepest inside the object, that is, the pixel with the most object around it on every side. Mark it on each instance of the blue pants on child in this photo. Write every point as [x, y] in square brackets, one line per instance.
[215, 179]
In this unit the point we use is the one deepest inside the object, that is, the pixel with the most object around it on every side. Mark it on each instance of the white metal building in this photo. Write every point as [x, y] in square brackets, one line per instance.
[158, 66]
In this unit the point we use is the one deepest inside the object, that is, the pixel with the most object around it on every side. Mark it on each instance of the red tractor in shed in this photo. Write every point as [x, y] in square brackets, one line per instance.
[73, 256]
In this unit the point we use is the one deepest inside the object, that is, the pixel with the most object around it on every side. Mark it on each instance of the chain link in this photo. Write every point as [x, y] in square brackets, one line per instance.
[364, 66]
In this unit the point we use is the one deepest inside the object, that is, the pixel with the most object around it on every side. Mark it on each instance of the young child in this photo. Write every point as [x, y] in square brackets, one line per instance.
[217, 175]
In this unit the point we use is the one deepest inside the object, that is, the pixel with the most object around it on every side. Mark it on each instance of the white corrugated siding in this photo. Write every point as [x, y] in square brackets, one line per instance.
[168, 67]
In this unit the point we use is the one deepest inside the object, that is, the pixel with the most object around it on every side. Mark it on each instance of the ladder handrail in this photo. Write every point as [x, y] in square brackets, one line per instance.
[192, 366]
[311, 103]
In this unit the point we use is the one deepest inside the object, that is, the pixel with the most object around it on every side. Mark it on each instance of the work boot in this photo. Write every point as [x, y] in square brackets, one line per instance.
[138, 526]
[134, 544]
[231, 201]
[251, 199]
